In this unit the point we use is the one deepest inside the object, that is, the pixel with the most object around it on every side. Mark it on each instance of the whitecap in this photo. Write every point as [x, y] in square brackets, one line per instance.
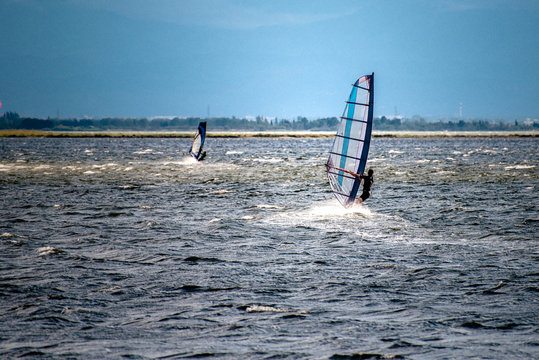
[223, 191]
[8, 235]
[264, 206]
[129, 187]
[271, 160]
[70, 167]
[188, 160]
[109, 289]
[264, 308]
[49, 250]
[145, 151]
[4, 167]
[519, 167]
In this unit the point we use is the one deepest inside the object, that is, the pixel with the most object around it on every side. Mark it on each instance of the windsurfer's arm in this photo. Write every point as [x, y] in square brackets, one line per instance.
[348, 172]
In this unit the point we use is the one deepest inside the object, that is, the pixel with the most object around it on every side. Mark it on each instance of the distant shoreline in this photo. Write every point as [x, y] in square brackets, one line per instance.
[261, 134]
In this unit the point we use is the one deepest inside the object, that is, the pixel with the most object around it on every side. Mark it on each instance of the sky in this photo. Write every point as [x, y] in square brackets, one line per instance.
[278, 58]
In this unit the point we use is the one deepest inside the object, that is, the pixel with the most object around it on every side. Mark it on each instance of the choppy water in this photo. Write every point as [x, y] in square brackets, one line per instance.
[126, 248]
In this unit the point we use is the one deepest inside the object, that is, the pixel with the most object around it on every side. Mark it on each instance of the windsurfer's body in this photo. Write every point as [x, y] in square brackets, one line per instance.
[366, 180]
[198, 157]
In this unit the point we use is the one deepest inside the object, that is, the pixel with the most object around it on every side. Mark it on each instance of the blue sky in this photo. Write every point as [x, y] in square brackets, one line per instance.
[143, 58]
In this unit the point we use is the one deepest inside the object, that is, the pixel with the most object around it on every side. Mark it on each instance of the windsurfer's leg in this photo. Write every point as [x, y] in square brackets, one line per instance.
[362, 198]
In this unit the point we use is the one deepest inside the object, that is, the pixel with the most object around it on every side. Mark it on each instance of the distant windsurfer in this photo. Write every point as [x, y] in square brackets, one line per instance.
[198, 142]
[367, 181]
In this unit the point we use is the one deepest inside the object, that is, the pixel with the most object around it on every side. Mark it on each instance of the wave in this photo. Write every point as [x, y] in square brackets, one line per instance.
[264, 308]
[10, 235]
[49, 250]
[520, 167]
[265, 206]
[147, 151]
[270, 160]
[218, 192]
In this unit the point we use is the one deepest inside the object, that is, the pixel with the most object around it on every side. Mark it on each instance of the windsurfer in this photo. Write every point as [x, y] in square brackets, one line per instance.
[367, 183]
[202, 155]
[351, 144]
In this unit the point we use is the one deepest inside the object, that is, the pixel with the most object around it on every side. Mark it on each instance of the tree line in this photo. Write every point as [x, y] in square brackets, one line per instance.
[12, 120]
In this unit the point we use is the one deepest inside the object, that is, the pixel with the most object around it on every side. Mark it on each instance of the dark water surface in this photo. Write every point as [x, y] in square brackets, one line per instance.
[126, 248]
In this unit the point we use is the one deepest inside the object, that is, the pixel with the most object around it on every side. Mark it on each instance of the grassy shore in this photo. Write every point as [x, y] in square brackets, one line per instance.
[262, 134]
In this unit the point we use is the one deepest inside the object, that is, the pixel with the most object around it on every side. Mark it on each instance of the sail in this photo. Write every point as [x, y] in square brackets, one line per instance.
[198, 142]
[351, 144]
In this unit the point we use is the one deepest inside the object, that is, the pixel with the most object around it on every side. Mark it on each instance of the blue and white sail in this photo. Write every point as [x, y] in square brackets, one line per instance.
[350, 147]
[198, 142]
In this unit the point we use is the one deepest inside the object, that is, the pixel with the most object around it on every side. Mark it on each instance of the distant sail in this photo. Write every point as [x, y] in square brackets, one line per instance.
[198, 142]
[351, 144]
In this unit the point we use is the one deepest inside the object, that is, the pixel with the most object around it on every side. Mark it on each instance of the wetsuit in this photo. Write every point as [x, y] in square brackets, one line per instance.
[367, 183]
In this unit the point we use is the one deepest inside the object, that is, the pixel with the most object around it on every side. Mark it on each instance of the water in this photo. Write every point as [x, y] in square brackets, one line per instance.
[126, 248]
